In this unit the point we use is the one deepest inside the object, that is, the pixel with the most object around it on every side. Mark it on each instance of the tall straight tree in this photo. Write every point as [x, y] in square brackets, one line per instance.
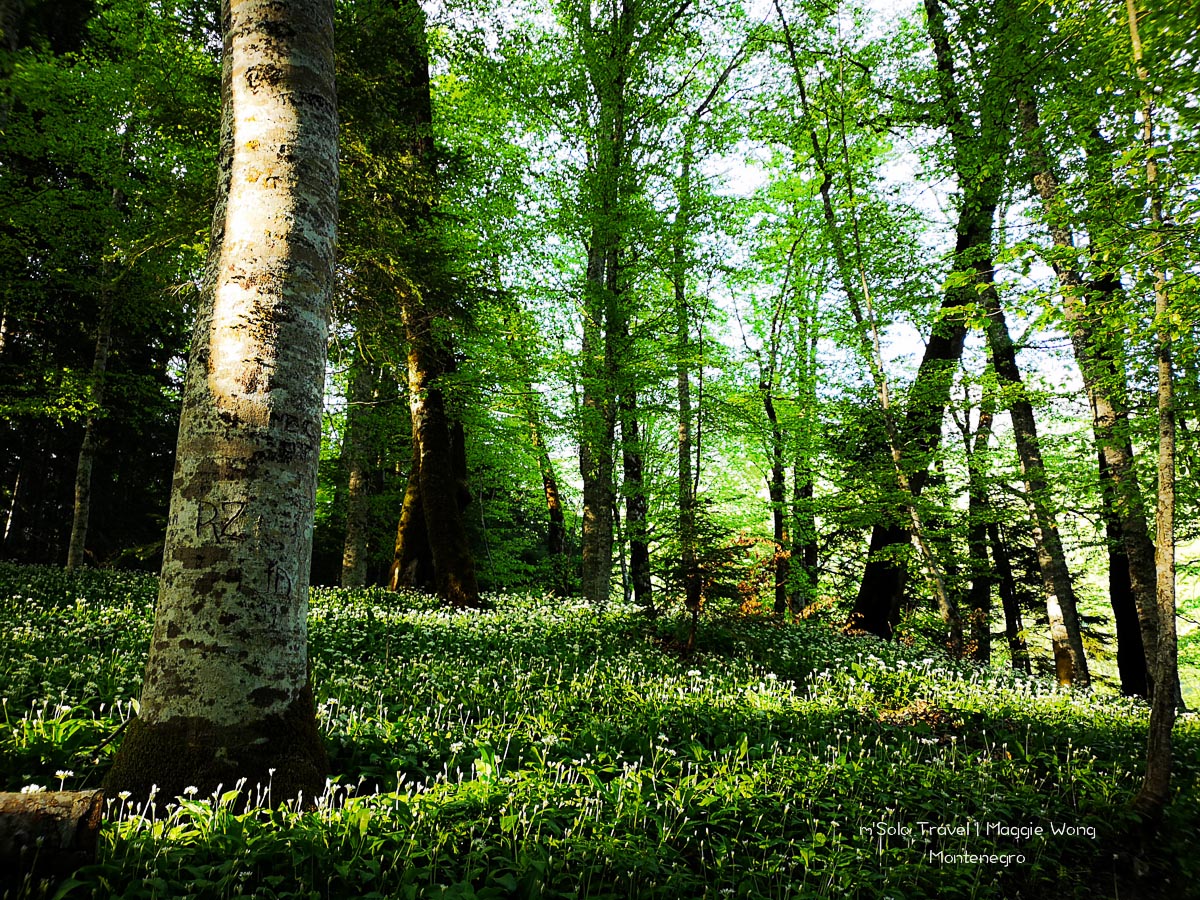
[227, 694]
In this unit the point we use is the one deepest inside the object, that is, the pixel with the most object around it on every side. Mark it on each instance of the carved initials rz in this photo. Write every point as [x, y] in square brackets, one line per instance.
[220, 517]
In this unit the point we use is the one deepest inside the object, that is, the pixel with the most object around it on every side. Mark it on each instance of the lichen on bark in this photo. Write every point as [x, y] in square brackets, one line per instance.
[226, 694]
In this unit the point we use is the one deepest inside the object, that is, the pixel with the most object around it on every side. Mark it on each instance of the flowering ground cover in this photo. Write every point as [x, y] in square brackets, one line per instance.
[543, 749]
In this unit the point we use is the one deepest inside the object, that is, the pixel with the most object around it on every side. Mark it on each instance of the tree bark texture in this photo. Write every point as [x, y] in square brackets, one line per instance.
[46, 836]
[226, 693]
[440, 462]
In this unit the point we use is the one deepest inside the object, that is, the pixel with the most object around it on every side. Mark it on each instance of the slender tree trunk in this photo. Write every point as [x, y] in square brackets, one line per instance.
[226, 693]
[596, 439]
[556, 533]
[358, 456]
[877, 606]
[1070, 662]
[635, 504]
[1104, 383]
[87, 450]
[1131, 657]
[1014, 626]
[979, 599]
[775, 488]
[1154, 793]
[804, 533]
[686, 485]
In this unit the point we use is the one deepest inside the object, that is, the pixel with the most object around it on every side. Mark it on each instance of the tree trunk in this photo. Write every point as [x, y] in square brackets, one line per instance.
[775, 489]
[556, 532]
[1131, 656]
[804, 550]
[46, 836]
[440, 464]
[412, 560]
[978, 152]
[686, 484]
[1104, 383]
[1070, 662]
[1152, 797]
[87, 450]
[598, 430]
[635, 503]
[1014, 627]
[606, 52]
[358, 456]
[979, 599]
[226, 693]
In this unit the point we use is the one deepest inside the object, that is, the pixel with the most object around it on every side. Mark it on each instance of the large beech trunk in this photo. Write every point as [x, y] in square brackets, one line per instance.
[226, 694]
[46, 836]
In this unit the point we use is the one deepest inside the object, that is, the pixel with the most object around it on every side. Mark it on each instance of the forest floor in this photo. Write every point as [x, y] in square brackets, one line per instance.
[542, 750]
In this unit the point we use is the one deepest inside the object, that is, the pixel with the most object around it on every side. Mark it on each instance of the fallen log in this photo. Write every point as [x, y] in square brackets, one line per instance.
[47, 835]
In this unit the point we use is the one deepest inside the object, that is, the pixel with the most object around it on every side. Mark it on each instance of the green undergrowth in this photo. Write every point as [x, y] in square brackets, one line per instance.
[542, 750]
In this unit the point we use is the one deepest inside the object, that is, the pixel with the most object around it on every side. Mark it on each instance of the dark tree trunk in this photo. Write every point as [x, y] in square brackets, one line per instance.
[87, 450]
[1014, 626]
[1070, 662]
[360, 458]
[979, 599]
[635, 504]
[804, 534]
[775, 489]
[438, 456]
[1131, 658]
[412, 561]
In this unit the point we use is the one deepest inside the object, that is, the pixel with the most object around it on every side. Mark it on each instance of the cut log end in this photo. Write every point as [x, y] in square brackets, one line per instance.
[48, 834]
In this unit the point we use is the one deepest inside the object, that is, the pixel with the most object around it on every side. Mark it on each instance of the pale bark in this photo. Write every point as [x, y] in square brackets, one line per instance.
[226, 694]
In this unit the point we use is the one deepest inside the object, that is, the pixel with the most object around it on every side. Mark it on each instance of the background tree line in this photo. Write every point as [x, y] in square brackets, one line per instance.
[791, 306]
